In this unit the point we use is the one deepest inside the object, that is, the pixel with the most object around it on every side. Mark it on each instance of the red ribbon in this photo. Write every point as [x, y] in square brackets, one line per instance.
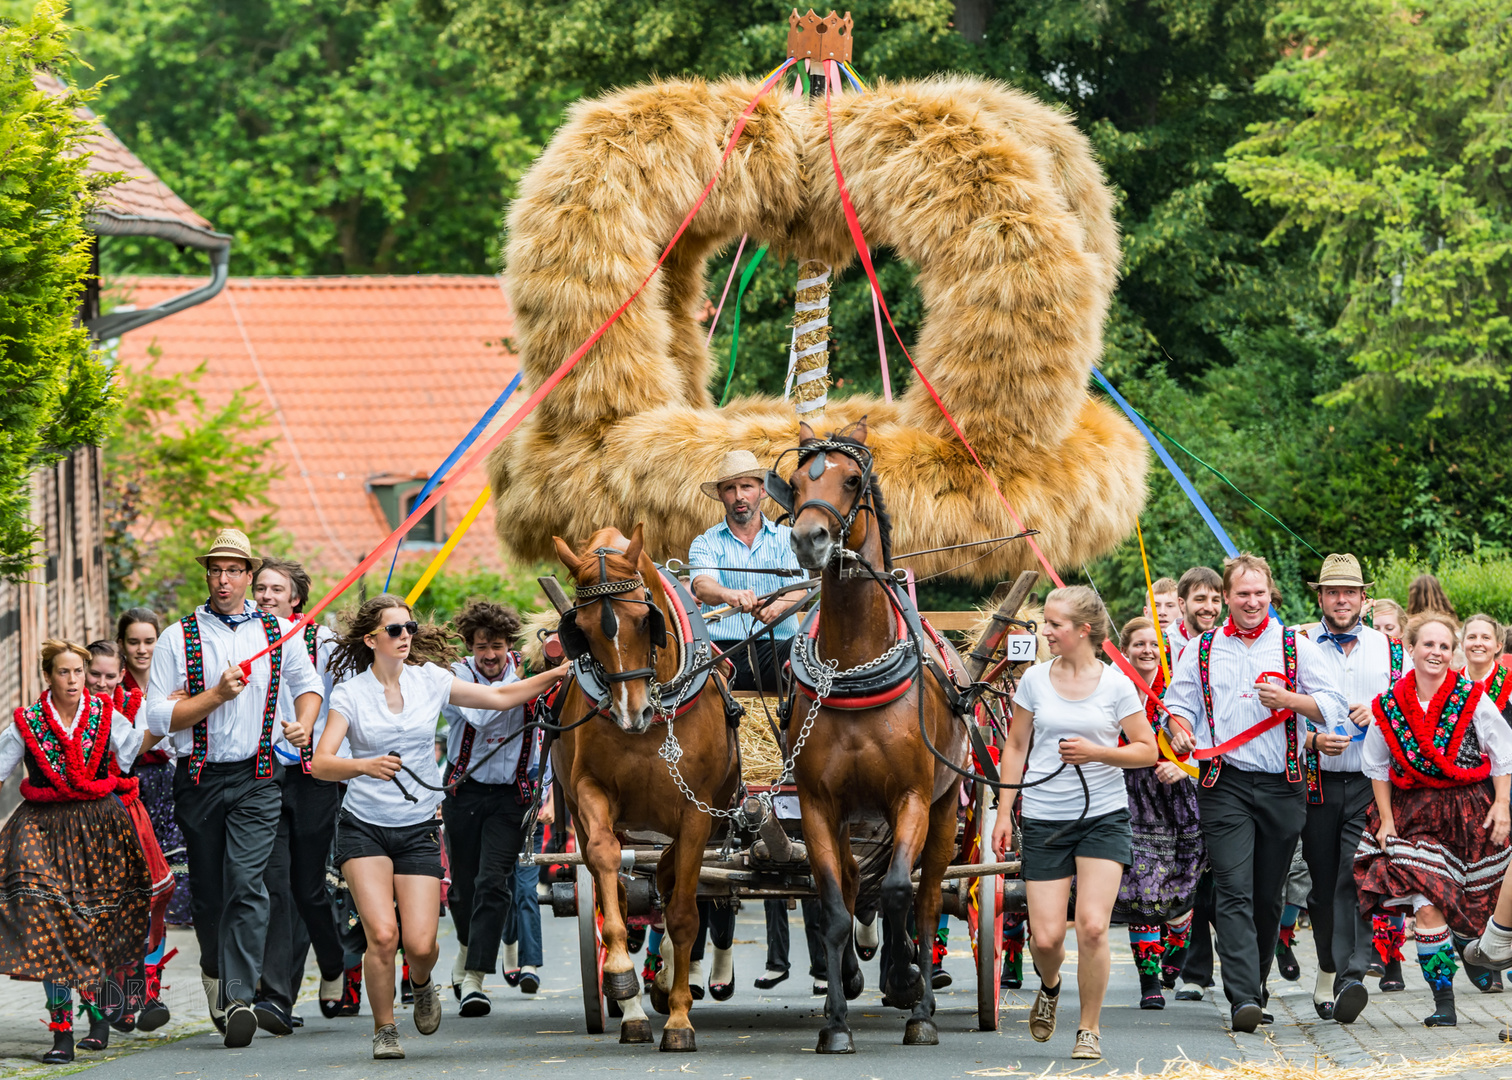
[535, 399]
[1277, 716]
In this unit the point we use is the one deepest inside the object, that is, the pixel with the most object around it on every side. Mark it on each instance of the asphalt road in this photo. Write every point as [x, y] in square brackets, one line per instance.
[755, 1035]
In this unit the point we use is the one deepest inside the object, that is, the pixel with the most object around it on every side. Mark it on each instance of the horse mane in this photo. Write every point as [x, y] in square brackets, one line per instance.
[874, 490]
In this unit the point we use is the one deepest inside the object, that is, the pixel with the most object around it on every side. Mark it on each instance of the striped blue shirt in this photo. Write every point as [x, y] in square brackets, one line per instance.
[770, 551]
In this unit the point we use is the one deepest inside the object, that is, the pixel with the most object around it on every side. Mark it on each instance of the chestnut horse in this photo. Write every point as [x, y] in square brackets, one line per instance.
[612, 776]
[865, 764]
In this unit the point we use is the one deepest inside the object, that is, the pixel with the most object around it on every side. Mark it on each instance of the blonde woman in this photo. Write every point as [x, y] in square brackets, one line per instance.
[1068, 716]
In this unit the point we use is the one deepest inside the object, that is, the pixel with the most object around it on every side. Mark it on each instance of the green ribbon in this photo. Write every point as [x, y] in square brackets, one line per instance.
[1229, 482]
[745, 279]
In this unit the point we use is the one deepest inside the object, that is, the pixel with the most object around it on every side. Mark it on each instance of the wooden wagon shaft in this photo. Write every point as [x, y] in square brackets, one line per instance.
[982, 654]
[971, 870]
[554, 592]
[637, 858]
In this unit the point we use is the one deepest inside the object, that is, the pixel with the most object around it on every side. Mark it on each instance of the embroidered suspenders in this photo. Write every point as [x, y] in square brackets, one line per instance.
[312, 646]
[465, 749]
[1204, 676]
[194, 662]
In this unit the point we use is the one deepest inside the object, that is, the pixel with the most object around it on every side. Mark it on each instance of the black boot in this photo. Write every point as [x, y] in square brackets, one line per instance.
[1443, 1009]
[99, 1033]
[1391, 978]
[1486, 980]
[62, 1051]
[1150, 996]
[1286, 962]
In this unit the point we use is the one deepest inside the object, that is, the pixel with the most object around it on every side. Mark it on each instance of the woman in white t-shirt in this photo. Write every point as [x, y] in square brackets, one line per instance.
[1068, 715]
[387, 837]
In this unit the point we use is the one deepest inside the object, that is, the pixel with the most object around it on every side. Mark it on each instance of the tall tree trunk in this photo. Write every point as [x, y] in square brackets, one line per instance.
[971, 18]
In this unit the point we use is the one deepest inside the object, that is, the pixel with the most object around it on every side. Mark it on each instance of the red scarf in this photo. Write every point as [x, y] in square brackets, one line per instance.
[1232, 630]
[72, 777]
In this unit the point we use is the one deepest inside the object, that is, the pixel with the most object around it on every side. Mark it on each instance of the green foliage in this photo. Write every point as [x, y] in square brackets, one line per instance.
[1392, 155]
[325, 136]
[1479, 580]
[176, 473]
[452, 588]
[54, 393]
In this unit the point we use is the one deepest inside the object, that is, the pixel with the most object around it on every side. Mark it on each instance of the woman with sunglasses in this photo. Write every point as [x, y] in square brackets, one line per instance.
[393, 676]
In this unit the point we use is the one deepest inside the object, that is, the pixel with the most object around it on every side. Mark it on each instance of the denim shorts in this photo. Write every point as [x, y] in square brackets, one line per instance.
[1048, 849]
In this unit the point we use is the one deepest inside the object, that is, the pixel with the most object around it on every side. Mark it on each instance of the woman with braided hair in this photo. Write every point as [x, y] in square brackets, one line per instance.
[392, 681]
[75, 884]
[1160, 884]
[1438, 757]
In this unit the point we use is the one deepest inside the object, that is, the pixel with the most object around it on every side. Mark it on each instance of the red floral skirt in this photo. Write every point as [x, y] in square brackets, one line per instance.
[75, 894]
[158, 873]
[1440, 851]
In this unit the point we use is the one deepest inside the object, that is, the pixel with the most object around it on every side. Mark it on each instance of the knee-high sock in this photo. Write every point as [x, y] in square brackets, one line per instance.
[1288, 933]
[59, 1007]
[1435, 949]
[1144, 943]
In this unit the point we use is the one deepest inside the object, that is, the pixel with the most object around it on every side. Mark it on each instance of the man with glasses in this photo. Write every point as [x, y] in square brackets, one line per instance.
[226, 792]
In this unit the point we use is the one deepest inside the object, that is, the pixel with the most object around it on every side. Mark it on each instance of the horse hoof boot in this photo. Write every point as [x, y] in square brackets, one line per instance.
[835, 1041]
[659, 999]
[854, 985]
[678, 1041]
[635, 1031]
[921, 1032]
[619, 985]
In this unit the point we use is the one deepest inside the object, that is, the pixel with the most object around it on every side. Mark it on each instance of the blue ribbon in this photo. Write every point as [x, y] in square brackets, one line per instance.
[440, 474]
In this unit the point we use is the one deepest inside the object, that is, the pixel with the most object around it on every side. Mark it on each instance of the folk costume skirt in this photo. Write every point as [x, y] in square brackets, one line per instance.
[75, 892]
[1440, 853]
[1169, 857]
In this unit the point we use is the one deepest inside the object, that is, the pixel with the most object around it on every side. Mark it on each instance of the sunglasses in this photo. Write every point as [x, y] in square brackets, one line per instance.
[395, 629]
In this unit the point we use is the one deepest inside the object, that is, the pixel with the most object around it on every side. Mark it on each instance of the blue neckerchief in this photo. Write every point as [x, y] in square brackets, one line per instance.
[249, 612]
[1339, 640]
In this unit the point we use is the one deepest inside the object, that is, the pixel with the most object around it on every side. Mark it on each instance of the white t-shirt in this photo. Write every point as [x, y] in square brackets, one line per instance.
[372, 731]
[1094, 718]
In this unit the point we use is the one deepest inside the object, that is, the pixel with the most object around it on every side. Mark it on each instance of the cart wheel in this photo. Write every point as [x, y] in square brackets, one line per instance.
[987, 923]
[590, 951]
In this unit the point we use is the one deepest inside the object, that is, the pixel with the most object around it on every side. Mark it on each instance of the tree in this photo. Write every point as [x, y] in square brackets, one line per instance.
[176, 473]
[54, 392]
[327, 137]
[1392, 157]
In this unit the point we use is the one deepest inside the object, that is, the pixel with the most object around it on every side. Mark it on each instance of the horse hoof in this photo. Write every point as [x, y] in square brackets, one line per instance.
[635, 1031]
[835, 1041]
[620, 985]
[678, 1041]
[911, 993]
[921, 1032]
[659, 1000]
[854, 986]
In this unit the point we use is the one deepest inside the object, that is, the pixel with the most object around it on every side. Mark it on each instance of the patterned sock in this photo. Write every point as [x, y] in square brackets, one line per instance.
[1389, 937]
[1435, 949]
[1013, 945]
[1144, 943]
[1176, 936]
[653, 955]
[1288, 933]
[87, 1005]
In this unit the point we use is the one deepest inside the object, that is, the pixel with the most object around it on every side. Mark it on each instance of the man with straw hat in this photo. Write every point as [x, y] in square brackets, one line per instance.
[727, 564]
[226, 792]
[1363, 663]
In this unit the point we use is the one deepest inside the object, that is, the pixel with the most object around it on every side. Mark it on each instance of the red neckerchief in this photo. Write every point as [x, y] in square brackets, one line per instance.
[1231, 630]
[1399, 708]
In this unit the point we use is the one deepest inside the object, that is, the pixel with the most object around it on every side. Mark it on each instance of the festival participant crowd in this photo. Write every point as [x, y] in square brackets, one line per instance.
[1224, 773]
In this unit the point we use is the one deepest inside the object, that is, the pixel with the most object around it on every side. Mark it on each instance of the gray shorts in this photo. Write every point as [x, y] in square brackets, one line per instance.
[1049, 849]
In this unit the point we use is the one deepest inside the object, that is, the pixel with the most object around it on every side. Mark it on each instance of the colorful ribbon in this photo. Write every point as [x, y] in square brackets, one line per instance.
[451, 545]
[1154, 611]
[734, 265]
[550, 383]
[745, 279]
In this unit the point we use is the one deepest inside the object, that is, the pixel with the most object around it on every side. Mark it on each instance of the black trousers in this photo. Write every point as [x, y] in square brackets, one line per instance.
[779, 948]
[300, 913]
[1198, 966]
[484, 834]
[1250, 822]
[229, 821]
[769, 660]
[1329, 839]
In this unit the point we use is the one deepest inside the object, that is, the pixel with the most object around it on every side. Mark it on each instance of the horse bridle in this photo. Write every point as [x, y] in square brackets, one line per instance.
[575, 642]
[781, 491]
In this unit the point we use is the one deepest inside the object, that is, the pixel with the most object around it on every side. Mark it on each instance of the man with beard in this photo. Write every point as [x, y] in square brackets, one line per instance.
[1252, 797]
[1200, 596]
[726, 564]
[1362, 663]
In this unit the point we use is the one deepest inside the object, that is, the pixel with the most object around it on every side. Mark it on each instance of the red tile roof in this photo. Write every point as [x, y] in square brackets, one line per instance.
[372, 375]
[141, 194]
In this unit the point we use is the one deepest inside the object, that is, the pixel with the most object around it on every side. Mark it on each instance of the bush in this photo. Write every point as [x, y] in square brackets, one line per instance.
[449, 589]
[1477, 580]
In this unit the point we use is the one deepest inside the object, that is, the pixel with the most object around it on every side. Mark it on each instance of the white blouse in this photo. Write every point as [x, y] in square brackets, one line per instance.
[1492, 731]
[373, 731]
[125, 740]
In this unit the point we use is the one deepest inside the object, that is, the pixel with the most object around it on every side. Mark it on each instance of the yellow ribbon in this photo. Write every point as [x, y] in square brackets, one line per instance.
[1170, 754]
[451, 543]
[1154, 614]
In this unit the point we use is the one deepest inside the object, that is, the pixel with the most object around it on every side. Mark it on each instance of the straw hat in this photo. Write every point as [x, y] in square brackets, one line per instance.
[736, 464]
[232, 543]
[1342, 571]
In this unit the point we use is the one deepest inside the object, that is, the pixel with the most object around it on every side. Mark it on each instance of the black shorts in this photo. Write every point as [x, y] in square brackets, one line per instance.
[414, 849]
[1048, 849]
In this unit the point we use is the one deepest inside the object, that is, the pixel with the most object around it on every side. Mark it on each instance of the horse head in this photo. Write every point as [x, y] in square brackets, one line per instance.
[831, 485]
[618, 622]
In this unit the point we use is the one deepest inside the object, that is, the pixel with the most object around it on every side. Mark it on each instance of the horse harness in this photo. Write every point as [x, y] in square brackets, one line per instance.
[816, 454]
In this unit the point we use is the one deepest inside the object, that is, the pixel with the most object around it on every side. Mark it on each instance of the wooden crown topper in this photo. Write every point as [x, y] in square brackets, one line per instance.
[811, 37]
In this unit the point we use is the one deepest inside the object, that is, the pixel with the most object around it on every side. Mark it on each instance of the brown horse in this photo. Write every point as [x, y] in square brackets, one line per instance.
[864, 764]
[612, 776]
